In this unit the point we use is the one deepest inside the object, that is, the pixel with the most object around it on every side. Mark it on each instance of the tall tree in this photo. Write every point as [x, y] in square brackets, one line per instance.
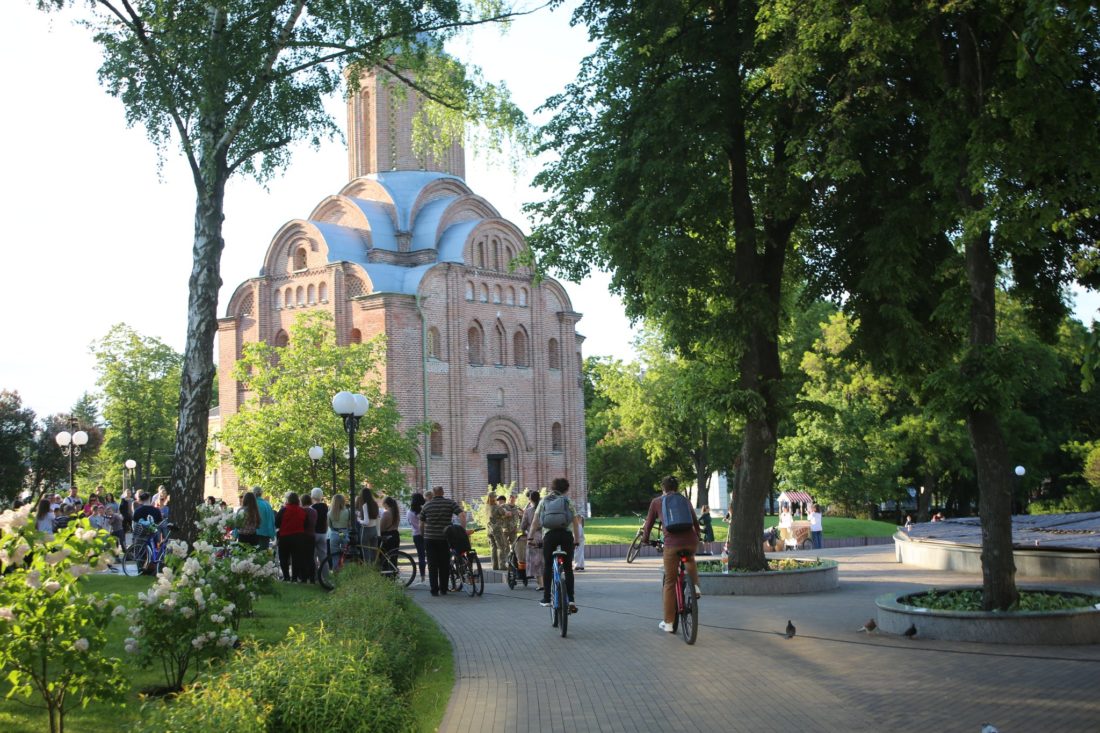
[234, 83]
[678, 170]
[138, 379]
[16, 435]
[969, 127]
[289, 387]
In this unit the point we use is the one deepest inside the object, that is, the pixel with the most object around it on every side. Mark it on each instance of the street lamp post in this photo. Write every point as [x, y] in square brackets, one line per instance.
[70, 444]
[351, 407]
[131, 464]
[315, 454]
[1020, 471]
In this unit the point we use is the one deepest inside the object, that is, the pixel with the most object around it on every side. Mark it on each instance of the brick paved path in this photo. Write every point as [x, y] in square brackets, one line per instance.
[743, 675]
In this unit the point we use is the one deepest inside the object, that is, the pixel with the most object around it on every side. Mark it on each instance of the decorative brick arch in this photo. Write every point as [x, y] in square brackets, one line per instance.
[504, 428]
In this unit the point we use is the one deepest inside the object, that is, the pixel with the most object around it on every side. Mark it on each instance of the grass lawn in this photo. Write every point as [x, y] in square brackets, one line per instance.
[293, 605]
[621, 530]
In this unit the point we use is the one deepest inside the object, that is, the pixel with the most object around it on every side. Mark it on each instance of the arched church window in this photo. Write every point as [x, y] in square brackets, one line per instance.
[300, 295]
[288, 298]
[322, 292]
[496, 293]
[519, 347]
[311, 295]
[300, 258]
[498, 344]
[481, 254]
[553, 354]
[469, 290]
[282, 340]
[437, 439]
[496, 254]
[510, 296]
[484, 293]
[523, 297]
[473, 345]
[435, 347]
[355, 337]
[555, 437]
[500, 397]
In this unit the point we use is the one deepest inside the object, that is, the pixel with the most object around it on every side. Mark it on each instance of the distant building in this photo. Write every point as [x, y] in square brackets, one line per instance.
[408, 250]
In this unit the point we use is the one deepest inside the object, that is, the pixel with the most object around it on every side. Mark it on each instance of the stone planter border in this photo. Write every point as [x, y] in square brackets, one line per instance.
[825, 577]
[1076, 626]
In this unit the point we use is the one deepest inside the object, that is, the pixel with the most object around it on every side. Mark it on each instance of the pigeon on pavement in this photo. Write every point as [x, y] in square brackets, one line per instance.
[910, 632]
[989, 728]
[790, 629]
[869, 625]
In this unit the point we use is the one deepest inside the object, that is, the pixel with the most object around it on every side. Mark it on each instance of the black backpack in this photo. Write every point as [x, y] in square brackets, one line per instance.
[676, 514]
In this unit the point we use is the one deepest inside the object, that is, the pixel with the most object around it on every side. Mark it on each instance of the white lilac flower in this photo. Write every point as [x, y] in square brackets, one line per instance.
[191, 566]
[6, 614]
[101, 603]
[87, 535]
[77, 570]
[81, 645]
[17, 519]
[51, 587]
[58, 555]
[198, 642]
[20, 552]
[217, 618]
[187, 611]
[131, 646]
[168, 604]
[104, 561]
[119, 610]
[177, 548]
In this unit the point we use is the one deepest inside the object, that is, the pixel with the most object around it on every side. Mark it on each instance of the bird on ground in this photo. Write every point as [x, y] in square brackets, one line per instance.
[869, 625]
[790, 629]
[989, 728]
[910, 632]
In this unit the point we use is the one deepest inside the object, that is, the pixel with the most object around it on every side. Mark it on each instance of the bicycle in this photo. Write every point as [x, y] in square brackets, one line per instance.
[517, 571]
[559, 598]
[147, 548]
[639, 540]
[397, 565]
[465, 571]
[687, 602]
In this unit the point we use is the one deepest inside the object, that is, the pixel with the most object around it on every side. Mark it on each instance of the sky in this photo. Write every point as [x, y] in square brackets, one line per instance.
[99, 232]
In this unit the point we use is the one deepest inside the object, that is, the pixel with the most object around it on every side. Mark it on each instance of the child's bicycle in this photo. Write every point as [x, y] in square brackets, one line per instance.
[147, 548]
[560, 601]
[687, 602]
[465, 570]
[517, 570]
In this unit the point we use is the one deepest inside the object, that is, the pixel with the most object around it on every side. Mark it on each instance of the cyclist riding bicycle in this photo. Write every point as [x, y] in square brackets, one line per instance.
[675, 513]
[557, 516]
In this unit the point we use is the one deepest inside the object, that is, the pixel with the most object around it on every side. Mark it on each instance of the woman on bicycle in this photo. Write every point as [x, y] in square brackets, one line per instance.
[675, 543]
[534, 539]
[388, 523]
[339, 521]
[366, 510]
[415, 505]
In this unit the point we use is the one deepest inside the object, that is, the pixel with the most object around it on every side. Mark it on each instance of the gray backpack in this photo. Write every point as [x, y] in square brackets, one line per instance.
[556, 513]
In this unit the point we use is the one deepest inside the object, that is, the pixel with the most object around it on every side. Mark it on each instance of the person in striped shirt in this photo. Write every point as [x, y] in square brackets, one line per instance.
[435, 517]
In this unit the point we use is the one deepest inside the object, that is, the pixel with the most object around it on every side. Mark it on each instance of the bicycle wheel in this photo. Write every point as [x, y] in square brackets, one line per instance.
[456, 574]
[563, 608]
[477, 578]
[635, 547]
[326, 573]
[510, 577]
[153, 560]
[689, 615]
[132, 557]
[468, 577]
[400, 566]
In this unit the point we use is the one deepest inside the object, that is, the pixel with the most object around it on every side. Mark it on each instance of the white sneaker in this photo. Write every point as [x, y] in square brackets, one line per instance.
[667, 627]
[698, 592]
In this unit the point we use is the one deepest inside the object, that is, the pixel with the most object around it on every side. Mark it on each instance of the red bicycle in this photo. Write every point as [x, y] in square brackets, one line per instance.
[687, 602]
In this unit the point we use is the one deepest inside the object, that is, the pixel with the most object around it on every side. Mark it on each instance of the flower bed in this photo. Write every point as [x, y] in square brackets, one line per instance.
[784, 576]
[1077, 621]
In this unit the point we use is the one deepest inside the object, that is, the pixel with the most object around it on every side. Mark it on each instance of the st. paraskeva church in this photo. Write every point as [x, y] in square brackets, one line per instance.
[475, 346]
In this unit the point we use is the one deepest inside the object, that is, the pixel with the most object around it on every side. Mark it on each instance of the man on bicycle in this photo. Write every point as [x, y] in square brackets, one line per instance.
[557, 516]
[676, 542]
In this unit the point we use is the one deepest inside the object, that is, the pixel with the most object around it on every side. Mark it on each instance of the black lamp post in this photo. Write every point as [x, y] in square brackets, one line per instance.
[1020, 471]
[71, 444]
[351, 407]
[131, 464]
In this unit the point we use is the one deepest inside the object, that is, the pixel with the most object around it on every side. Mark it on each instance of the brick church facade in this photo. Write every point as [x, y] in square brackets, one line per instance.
[406, 249]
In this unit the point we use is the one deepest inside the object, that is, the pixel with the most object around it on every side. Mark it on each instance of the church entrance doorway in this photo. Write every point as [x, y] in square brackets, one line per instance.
[498, 468]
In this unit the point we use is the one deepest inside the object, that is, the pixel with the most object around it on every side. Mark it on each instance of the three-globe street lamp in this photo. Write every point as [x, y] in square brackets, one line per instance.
[71, 443]
[131, 464]
[351, 407]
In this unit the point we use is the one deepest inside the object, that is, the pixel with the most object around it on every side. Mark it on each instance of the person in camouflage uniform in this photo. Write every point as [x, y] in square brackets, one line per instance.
[511, 527]
[498, 518]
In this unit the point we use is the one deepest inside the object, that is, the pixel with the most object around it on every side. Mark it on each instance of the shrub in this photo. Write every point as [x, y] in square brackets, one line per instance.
[214, 706]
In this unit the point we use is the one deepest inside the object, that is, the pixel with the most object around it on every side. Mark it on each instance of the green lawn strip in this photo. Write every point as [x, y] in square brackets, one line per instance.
[621, 530]
[299, 606]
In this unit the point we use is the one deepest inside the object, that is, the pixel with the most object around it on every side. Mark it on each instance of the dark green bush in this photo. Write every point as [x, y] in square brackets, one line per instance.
[215, 705]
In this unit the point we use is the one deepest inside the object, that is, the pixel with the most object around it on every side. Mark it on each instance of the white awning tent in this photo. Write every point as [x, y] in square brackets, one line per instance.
[800, 501]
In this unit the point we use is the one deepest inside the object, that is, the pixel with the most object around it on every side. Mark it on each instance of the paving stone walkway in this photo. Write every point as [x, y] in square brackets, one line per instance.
[617, 672]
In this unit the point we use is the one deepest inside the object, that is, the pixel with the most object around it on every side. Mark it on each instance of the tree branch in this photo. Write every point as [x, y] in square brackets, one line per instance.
[248, 154]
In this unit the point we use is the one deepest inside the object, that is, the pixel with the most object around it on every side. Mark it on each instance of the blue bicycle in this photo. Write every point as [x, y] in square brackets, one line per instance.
[559, 598]
[147, 549]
